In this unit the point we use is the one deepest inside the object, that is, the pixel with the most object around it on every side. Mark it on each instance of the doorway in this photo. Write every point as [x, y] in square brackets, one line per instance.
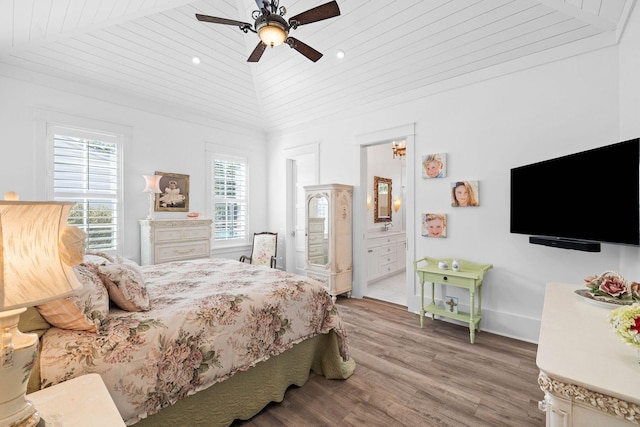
[302, 170]
[364, 226]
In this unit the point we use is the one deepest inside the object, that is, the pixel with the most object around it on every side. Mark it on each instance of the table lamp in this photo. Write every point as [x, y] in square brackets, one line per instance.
[152, 187]
[37, 252]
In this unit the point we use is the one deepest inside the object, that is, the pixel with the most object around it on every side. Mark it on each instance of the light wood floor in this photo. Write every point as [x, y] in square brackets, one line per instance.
[407, 376]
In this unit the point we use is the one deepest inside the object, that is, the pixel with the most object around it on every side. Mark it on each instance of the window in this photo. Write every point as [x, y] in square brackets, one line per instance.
[229, 198]
[86, 170]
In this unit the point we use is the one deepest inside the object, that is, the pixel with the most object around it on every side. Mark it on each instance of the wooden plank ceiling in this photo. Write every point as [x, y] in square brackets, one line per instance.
[393, 48]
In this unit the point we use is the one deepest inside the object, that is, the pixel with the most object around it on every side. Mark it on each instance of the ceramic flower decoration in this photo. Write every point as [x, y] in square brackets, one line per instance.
[612, 287]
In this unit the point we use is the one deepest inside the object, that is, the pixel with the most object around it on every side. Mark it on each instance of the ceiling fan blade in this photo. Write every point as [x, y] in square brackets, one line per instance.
[257, 52]
[304, 49]
[263, 4]
[325, 11]
[215, 20]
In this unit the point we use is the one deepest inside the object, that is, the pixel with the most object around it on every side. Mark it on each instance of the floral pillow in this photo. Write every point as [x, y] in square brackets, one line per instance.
[98, 258]
[85, 309]
[125, 284]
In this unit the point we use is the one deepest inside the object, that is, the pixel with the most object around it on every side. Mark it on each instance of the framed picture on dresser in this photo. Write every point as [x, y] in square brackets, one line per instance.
[175, 193]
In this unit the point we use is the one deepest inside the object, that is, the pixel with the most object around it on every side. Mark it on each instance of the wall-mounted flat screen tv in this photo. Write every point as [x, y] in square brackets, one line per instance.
[591, 196]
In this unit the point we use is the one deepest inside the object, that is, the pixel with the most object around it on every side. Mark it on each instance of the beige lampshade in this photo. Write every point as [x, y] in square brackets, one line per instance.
[37, 253]
[152, 183]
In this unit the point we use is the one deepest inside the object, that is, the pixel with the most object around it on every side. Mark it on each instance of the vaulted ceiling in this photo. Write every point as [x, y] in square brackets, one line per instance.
[392, 48]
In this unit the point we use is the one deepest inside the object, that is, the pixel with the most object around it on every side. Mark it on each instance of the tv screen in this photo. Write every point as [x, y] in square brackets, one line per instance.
[593, 195]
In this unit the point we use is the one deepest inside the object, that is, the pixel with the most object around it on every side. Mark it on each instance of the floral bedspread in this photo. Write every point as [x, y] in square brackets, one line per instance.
[209, 318]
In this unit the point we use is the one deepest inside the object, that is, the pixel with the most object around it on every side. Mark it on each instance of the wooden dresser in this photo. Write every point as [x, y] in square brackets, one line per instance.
[590, 378]
[164, 240]
[328, 236]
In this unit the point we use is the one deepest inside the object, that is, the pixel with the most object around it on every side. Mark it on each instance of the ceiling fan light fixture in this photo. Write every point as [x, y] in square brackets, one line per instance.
[272, 30]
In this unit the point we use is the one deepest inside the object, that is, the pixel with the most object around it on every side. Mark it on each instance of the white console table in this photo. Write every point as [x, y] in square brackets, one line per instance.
[589, 376]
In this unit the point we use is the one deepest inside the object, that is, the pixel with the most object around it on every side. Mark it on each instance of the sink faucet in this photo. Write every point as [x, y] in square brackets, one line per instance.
[387, 226]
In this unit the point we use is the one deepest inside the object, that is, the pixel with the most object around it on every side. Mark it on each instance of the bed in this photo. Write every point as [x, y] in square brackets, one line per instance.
[198, 342]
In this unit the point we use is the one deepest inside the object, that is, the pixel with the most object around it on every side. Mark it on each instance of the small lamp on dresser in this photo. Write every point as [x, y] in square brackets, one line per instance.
[37, 252]
[152, 187]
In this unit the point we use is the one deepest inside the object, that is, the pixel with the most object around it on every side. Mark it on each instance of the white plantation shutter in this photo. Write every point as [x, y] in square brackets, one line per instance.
[86, 170]
[230, 198]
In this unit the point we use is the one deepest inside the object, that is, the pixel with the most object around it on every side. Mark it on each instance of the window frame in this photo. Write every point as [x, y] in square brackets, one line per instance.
[51, 129]
[216, 153]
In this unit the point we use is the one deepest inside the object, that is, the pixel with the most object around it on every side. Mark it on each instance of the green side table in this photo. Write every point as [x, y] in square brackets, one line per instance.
[469, 277]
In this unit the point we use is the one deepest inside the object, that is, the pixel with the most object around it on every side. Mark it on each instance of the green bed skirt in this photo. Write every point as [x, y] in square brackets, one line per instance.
[246, 393]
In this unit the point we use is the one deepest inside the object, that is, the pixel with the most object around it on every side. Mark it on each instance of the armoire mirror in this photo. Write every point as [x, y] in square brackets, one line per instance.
[382, 199]
[318, 230]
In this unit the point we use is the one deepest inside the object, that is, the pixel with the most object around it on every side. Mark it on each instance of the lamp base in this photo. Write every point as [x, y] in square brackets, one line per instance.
[19, 353]
[152, 199]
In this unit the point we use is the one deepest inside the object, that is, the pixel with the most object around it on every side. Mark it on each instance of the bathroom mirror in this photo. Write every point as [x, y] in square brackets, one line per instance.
[382, 204]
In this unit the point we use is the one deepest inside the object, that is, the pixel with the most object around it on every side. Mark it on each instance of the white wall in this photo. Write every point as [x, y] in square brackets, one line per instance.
[158, 142]
[486, 128]
[630, 109]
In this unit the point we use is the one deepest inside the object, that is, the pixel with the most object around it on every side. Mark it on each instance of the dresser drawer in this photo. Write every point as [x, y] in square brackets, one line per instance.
[388, 249]
[315, 250]
[317, 260]
[390, 258]
[186, 233]
[316, 226]
[315, 238]
[177, 251]
[388, 268]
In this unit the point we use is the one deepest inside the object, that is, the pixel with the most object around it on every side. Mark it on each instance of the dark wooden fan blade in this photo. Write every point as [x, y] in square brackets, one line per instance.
[325, 11]
[262, 4]
[213, 19]
[257, 53]
[304, 49]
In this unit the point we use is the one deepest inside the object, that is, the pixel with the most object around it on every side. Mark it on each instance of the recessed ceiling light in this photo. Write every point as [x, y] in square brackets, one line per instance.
[340, 54]
[195, 60]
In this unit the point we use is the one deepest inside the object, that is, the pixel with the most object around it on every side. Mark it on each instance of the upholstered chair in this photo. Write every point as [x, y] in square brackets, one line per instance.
[263, 251]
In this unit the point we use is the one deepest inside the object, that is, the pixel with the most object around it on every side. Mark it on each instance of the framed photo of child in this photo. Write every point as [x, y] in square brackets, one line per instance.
[434, 225]
[434, 166]
[465, 194]
[175, 193]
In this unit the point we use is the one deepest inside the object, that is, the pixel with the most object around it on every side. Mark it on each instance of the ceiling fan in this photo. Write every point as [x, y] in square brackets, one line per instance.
[273, 29]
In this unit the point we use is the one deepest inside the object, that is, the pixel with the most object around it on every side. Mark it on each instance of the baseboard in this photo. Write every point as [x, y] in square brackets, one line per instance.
[504, 324]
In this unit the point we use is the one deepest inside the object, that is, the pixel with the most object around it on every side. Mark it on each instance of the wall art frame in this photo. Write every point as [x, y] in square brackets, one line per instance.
[465, 193]
[175, 193]
[434, 165]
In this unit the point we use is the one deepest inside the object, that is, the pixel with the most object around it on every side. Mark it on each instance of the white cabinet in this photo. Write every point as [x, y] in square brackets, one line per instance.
[386, 256]
[78, 402]
[174, 240]
[329, 236]
[589, 377]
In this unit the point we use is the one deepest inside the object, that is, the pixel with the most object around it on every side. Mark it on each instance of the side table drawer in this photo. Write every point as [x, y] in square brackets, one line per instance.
[446, 279]
[176, 251]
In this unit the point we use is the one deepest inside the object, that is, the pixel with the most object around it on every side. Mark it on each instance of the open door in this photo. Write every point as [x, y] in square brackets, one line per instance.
[302, 170]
